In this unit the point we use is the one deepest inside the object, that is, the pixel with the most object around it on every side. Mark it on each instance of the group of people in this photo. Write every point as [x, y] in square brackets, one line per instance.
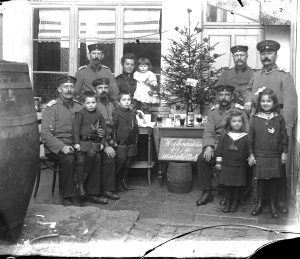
[91, 130]
[241, 143]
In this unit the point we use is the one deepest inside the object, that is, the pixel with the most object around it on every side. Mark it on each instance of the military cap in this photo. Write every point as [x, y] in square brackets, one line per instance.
[237, 48]
[268, 45]
[96, 46]
[221, 88]
[67, 79]
[101, 81]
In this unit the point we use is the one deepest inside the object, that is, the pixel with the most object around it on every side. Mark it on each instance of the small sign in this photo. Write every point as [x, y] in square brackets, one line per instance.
[180, 149]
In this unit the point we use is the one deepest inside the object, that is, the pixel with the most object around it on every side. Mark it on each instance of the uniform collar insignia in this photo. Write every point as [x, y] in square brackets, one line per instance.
[270, 69]
[236, 135]
[266, 116]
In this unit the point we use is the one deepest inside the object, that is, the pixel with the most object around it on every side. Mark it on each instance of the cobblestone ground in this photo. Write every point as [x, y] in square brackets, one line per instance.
[142, 219]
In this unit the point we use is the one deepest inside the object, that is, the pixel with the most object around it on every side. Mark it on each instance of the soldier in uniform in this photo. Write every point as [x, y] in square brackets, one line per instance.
[240, 75]
[125, 81]
[282, 83]
[87, 74]
[56, 134]
[214, 128]
[108, 155]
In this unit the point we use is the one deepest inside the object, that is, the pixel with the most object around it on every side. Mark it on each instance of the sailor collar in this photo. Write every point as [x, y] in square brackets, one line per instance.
[236, 135]
[266, 116]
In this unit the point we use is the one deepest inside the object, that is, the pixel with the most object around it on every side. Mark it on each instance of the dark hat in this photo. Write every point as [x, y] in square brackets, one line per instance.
[94, 47]
[67, 79]
[221, 88]
[101, 81]
[238, 48]
[268, 45]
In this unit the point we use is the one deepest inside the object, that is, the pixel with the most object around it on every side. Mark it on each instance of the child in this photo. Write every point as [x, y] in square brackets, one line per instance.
[231, 160]
[125, 131]
[145, 79]
[88, 133]
[268, 147]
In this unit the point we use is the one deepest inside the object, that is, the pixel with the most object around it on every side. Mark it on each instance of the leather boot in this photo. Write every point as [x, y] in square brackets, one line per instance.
[125, 185]
[206, 197]
[283, 208]
[259, 204]
[272, 186]
[273, 210]
[257, 209]
[235, 200]
[120, 187]
[81, 190]
[227, 199]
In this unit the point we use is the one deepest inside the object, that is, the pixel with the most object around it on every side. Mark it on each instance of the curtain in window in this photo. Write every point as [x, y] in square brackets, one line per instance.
[142, 24]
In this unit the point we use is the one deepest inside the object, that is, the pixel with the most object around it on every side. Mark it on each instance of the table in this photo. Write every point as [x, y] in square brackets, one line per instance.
[149, 163]
[173, 132]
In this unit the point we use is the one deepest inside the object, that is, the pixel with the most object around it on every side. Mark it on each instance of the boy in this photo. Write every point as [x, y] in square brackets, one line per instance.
[125, 131]
[88, 133]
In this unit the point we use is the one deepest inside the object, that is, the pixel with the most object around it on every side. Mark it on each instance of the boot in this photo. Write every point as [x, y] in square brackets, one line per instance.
[81, 190]
[227, 199]
[258, 209]
[206, 197]
[235, 199]
[120, 187]
[125, 185]
[272, 186]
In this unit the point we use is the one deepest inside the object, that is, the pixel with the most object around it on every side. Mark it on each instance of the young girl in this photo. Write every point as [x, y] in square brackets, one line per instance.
[268, 147]
[145, 79]
[231, 160]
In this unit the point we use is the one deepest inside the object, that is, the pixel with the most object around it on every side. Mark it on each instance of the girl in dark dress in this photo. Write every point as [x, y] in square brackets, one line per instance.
[268, 147]
[231, 160]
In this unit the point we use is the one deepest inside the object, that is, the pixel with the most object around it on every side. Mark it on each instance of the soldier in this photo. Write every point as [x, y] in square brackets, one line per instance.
[240, 75]
[214, 128]
[108, 155]
[56, 134]
[282, 83]
[87, 74]
[125, 81]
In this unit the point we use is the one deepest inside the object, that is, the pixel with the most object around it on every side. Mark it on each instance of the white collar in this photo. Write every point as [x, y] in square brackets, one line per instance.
[266, 116]
[236, 135]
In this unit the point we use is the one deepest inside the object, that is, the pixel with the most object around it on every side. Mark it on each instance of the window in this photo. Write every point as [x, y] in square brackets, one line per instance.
[51, 50]
[61, 37]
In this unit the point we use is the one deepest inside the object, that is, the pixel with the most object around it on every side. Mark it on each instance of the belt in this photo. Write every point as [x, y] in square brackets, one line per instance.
[91, 138]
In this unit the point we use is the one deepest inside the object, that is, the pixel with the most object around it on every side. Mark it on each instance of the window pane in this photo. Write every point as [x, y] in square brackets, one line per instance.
[152, 51]
[232, 12]
[142, 24]
[51, 24]
[51, 56]
[45, 86]
[99, 25]
[109, 55]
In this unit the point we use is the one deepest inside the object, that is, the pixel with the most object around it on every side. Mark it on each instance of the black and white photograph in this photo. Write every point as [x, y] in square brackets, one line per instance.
[92, 93]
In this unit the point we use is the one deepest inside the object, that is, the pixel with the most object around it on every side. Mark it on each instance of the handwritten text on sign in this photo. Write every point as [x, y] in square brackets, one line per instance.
[180, 149]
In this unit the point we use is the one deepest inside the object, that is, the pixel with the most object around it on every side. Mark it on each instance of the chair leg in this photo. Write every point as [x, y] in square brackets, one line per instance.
[37, 183]
[54, 177]
[149, 176]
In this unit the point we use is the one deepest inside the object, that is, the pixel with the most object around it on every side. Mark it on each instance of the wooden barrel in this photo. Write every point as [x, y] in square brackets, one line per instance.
[19, 147]
[179, 177]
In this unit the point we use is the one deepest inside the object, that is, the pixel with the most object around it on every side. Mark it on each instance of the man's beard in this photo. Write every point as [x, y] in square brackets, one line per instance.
[103, 96]
[224, 103]
[96, 61]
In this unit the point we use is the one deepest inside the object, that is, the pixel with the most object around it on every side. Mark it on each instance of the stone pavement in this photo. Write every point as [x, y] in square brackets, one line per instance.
[140, 220]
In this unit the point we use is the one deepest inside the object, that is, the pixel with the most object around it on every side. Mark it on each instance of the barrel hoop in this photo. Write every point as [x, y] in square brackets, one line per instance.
[18, 121]
[15, 85]
[14, 67]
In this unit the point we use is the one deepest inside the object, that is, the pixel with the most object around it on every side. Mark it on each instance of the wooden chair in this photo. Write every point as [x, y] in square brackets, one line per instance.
[45, 163]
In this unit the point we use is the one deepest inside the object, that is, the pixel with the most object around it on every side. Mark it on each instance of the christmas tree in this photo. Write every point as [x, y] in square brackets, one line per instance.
[189, 59]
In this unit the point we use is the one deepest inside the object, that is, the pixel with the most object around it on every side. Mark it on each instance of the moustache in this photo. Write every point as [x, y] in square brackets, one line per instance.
[266, 59]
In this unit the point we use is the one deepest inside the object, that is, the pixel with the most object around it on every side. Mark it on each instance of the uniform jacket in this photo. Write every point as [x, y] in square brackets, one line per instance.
[237, 78]
[215, 126]
[107, 110]
[84, 125]
[126, 83]
[56, 130]
[282, 84]
[87, 74]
